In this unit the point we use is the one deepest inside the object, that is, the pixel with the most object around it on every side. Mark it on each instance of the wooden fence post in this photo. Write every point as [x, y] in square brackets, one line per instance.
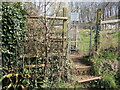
[97, 35]
[64, 25]
[64, 21]
[119, 37]
[63, 38]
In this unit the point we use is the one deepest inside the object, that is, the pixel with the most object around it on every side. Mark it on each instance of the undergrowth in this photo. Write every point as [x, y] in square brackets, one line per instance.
[106, 64]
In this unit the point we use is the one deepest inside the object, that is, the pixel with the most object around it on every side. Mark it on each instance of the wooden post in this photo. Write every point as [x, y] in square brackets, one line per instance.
[97, 35]
[65, 21]
[63, 37]
[119, 36]
[64, 26]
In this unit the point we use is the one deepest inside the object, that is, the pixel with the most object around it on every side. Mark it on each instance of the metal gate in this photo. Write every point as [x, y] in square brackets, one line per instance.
[80, 39]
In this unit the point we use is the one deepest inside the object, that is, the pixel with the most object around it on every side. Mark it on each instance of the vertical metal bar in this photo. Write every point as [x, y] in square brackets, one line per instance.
[90, 48]
[75, 35]
[69, 39]
[68, 43]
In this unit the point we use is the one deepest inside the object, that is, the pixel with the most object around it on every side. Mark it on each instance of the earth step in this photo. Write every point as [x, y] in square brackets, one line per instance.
[75, 56]
[81, 68]
[86, 78]
[78, 56]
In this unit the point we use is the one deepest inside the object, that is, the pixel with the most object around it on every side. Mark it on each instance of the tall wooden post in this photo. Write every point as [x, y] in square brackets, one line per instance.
[97, 35]
[119, 33]
[64, 26]
[118, 36]
[63, 38]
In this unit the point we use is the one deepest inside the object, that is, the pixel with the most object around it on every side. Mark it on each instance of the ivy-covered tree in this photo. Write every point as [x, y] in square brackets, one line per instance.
[13, 29]
[13, 25]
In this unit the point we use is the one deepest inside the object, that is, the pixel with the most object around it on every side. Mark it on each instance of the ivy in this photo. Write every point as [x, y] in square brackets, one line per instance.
[13, 26]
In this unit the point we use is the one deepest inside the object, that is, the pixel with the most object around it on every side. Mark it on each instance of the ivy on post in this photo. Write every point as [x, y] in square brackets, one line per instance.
[97, 35]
